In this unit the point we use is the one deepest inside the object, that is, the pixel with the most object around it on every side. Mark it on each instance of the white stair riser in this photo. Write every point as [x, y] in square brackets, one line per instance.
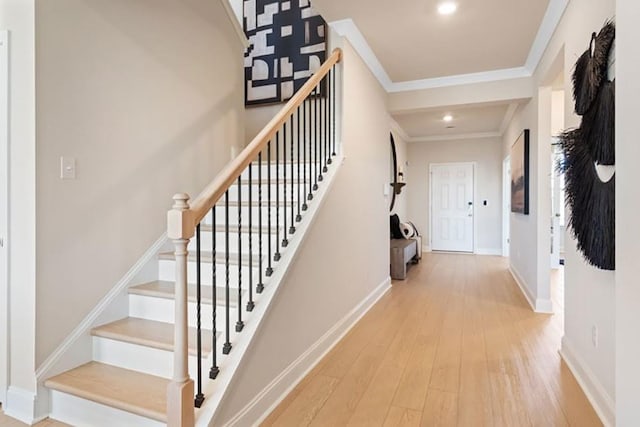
[285, 193]
[162, 310]
[166, 272]
[206, 242]
[139, 358]
[76, 411]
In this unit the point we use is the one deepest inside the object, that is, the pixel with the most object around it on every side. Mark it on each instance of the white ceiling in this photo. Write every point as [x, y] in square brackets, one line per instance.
[466, 121]
[413, 42]
[410, 47]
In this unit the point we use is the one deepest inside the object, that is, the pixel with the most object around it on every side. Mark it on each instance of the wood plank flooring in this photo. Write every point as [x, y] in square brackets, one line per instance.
[455, 344]
[12, 422]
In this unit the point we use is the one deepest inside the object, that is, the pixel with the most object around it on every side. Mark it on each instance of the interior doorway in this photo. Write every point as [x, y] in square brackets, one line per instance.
[4, 209]
[452, 207]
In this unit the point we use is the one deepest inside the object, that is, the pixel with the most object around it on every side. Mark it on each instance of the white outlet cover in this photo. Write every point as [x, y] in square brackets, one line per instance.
[67, 167]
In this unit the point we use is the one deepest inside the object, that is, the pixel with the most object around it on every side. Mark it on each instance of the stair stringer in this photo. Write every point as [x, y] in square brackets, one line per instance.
[216, 390]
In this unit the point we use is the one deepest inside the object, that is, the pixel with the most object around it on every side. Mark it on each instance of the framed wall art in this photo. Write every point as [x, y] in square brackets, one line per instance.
[287, 44]
[520, 174]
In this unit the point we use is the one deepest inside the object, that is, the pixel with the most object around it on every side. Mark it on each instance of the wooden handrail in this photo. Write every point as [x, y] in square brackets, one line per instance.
[216, 189]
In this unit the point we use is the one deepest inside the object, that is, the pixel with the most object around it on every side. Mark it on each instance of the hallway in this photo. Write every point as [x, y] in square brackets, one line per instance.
[454, 344]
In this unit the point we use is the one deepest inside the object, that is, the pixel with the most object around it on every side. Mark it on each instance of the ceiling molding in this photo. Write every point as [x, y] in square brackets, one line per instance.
[508, 116]
[395, 126]
[455, 137]
[348, 29]
[550, 22]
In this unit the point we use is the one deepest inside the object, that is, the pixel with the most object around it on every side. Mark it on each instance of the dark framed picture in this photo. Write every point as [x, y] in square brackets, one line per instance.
[520, 174]
[287, 44]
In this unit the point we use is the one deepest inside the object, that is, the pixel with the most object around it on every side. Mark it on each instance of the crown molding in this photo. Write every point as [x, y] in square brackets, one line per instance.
[395, 127]
[511, 111]
[550, 22]
[348, 29]
[455, 137]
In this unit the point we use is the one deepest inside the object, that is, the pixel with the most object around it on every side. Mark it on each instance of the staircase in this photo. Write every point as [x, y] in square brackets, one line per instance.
[240, 235]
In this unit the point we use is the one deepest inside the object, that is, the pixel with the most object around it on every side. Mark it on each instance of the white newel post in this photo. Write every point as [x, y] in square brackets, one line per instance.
[180, 392]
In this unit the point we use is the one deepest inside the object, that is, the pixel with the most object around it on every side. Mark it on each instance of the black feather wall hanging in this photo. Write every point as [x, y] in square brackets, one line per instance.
[592, 200]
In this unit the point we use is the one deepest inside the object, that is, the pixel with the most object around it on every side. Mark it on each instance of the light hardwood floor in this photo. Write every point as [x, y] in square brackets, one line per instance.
[11, 422]
[455, 344]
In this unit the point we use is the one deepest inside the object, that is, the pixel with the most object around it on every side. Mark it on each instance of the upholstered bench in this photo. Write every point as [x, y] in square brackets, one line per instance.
[403, 251]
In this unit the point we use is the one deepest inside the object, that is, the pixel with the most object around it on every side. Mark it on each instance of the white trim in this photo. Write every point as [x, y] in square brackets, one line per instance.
[474, 166]
[426, 248]
[459, 80]
[601, 401]
[266, 401]
[216, 391]
[4, 214]
[21, 405]
[88, 322]
[455, 137]
[398, 129]
[550, 22]
[489, 251]
[506, 206]
[236, 24]
[539, 305]
[348, 29]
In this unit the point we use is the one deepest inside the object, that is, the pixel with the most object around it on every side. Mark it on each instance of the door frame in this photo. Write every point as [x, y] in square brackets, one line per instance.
[4, 214]
[474, 233]
[506, 206]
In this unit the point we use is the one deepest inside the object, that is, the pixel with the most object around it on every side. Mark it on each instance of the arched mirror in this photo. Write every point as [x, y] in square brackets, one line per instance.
[396, 185]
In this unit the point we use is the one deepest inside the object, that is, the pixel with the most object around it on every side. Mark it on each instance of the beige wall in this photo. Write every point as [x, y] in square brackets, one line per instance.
[488, 174]
[589, 293]
[147, 96]
[627, 291]
[338, 265]
[19, 18]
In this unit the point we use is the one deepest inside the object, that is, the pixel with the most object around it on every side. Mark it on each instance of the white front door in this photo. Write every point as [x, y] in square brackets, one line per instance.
[452, 207]
[4, 206]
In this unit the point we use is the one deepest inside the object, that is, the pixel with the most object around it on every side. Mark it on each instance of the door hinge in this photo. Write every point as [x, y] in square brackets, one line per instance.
[1, 242]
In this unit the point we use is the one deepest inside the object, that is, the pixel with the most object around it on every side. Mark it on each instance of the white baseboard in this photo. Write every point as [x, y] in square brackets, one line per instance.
[426, 248]
[601, 401]
[539, 305]
[266, 401]
[492, 252]
[21, 405]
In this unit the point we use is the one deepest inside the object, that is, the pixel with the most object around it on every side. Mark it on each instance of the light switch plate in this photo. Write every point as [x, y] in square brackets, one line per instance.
[67, 167]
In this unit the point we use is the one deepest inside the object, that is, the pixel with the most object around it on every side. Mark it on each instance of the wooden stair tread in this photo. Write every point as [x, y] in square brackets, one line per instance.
[207, 256]
[130, 391]
[165, 289]
[150, 333]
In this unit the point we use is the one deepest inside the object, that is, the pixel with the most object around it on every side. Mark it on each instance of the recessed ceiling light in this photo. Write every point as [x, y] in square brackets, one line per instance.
[447, 8]
[448, 118]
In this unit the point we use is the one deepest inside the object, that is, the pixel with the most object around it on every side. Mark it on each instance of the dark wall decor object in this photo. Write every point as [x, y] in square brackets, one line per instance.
[592, 200]
[396, 186]
[520, 174]
[287, 44]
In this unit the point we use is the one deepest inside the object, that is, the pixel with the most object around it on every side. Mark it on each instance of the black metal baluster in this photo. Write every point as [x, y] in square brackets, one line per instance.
[260, 286]
[310, 144]
[320, 131]
[250, 304]
[277, 256]
[269, 271]
[215, 370]
[315, 139]
[330, 91]
[304, 160]
[333, 110]
[285, 241]
[199, 396]
[240, 323]
[227, 345]
[299, 216]
[292, 229]
[326, 125]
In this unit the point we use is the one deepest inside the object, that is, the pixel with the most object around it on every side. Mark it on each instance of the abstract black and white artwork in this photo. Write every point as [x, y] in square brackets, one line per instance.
[287, 44]
[520, 174]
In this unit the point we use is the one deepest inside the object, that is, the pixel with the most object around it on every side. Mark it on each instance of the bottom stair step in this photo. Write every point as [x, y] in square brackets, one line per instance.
[130, 391]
